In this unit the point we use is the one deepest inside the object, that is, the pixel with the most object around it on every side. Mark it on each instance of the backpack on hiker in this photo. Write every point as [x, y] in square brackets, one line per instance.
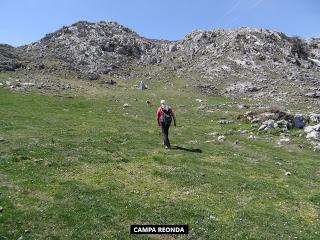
[166, 116]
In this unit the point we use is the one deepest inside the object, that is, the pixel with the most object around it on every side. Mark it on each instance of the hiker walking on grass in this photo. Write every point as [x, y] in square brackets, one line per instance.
[164, 118]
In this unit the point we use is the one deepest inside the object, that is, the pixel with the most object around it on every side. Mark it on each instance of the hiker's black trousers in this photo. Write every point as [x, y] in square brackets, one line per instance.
[165, 133]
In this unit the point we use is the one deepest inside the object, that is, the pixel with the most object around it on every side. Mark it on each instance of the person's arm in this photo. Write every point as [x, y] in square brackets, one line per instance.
[174, 118]
[158, 117]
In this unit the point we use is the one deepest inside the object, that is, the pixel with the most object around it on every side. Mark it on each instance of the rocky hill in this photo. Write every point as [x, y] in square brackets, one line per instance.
[9, 59]
[96, 47]
[259, 61]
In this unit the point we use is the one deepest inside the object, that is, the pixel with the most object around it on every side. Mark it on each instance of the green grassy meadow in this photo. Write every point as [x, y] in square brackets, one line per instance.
[85, 167]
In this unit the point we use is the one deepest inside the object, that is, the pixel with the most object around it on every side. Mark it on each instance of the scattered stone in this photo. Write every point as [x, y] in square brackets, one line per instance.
[316, 148]
[242, 88]
[237, 142]
[211, 217]
[93, 76]
[109, 82]
[255, 120]
[313, 94]
[126, 105]
[199, 100]
[224, 121]
[213, 134]
[221, 138]
[243, 131]
[309, 129]
[202, 107]
[287, 173]
[1, 209]
[38, 160]
[252, 137]
[283, 124]
[284, 141]
[314, 61]
[27, 84]
[267, 125]
[2, 139]
[262, 127]
[314, 135]
[314, 117]
[242, 106]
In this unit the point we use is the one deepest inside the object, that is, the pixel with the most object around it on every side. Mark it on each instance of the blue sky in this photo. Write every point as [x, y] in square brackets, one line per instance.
[26, 21]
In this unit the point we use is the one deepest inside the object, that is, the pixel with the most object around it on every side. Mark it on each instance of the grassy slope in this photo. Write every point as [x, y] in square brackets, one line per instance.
[87, 168]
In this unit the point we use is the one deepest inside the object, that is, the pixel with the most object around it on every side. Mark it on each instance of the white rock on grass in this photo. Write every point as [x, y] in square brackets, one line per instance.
[313, 132]
[212, 133]
[316, 148]
[221, 138]
[314, 135]
[126, 105]
[267, 125]
[312, 128]
[262, 127]
[284, 141]
[252, 137]
[224, 121]
[314, 117]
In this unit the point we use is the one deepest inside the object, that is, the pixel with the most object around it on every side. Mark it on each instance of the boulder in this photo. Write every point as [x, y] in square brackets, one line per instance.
[313, 132]
[309, 129]
[314, 135]
[299, 121]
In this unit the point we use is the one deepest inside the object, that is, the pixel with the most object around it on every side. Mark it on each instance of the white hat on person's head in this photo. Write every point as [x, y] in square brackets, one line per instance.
[163, 102]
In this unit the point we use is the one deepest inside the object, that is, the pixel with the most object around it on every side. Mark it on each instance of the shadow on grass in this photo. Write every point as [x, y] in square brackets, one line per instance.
[196, 150]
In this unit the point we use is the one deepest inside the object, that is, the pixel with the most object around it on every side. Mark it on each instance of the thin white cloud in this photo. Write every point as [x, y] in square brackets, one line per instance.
[230, 11]
[249, 9]
[256, 4]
